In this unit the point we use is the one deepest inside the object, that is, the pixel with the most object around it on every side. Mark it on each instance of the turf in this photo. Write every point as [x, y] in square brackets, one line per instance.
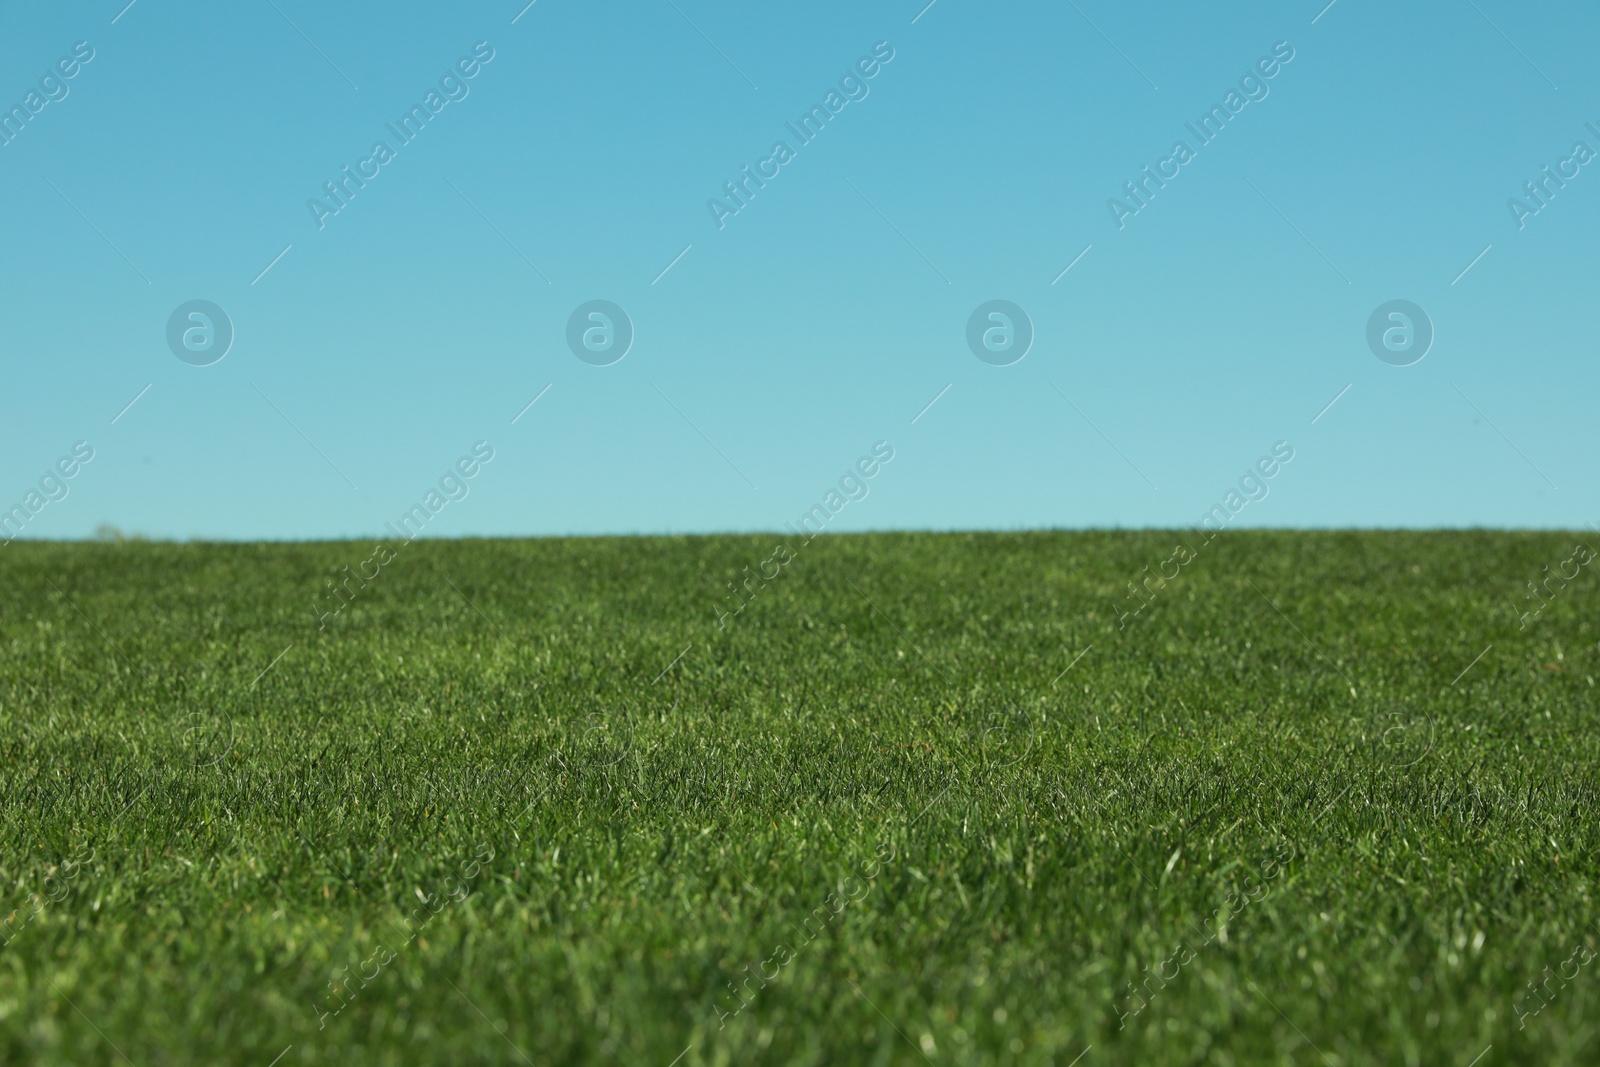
[926, 799]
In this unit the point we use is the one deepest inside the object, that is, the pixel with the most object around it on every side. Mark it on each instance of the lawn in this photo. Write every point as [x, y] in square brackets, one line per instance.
[1324, 798]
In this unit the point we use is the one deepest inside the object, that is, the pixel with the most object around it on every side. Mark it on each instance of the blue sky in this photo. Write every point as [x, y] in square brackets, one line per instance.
[772, 352]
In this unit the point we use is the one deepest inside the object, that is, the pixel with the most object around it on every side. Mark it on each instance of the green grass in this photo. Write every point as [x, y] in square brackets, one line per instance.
[1320, 875]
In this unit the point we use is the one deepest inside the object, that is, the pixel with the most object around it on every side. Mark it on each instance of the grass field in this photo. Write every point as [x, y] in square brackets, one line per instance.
[926, 799]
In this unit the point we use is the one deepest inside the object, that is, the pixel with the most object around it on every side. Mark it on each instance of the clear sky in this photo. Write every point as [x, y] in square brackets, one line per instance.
[170, 152]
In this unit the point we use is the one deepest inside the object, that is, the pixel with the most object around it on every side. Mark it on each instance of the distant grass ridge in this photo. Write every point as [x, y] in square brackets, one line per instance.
[1329, 798]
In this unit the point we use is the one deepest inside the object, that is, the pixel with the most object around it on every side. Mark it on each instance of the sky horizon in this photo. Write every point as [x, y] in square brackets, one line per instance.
[285, 274]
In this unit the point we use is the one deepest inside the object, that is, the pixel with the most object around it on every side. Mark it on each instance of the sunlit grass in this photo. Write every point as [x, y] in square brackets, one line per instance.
[1327, 798]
